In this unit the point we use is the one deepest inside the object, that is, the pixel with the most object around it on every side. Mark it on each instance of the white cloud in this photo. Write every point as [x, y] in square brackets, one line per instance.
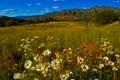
[116, 1]
[55, 7]
[2, 12]
[5, 10]
[38, 4]
[58, 0]
[46, 10]
[29, 4]
[55, 0]
[84, 8]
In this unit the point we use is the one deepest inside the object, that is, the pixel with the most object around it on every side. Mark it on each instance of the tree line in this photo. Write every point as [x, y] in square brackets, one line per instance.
[8, 21]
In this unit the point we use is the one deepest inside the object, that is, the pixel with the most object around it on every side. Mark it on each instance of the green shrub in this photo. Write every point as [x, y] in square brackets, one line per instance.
[106, 17]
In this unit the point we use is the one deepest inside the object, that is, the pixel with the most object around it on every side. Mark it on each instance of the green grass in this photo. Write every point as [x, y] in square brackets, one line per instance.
[66, 34]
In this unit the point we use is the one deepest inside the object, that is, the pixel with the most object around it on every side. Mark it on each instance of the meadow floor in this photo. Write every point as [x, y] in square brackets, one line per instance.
[60, 50]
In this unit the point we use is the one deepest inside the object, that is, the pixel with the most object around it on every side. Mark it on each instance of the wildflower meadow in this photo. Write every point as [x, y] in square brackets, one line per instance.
[68, 53]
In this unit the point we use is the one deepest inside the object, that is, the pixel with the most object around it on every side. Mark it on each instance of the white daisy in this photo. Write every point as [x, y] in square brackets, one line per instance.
[46, 52]
[28, 64]
[84, 67]
[80, 60]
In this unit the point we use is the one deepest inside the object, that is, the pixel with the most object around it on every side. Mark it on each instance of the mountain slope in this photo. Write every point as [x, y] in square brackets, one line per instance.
[64, 15]
[77, 14]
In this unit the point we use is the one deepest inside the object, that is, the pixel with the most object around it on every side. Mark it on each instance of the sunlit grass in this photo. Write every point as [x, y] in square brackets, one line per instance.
[66, 35]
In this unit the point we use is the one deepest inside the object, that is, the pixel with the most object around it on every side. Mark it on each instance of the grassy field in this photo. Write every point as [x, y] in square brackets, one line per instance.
[60, 50]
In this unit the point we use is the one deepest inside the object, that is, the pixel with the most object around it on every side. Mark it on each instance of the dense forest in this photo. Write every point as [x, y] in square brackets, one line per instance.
[99, 15]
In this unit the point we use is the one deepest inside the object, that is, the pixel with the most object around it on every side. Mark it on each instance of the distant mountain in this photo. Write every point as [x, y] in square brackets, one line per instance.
[73, 14]
[66, 15]
[22, 17]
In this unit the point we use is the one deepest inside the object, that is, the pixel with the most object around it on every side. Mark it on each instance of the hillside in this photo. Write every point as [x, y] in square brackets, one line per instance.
[77, 14]
[98, 14]
[9, 21]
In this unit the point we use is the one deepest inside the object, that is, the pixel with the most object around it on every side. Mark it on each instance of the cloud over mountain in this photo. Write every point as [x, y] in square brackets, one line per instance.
[55, 7]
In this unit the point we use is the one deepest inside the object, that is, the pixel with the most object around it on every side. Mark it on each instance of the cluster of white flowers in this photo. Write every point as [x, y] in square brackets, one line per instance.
[108, 50]
[84, 67]
[106, 46]
[110, 63]
[45, 61]
[25, 45]
[37, 58]
[66, 75]
[43, 67]
[56, 64]
[17, 76]
[118, 60]
[114, 68]
[101, 66]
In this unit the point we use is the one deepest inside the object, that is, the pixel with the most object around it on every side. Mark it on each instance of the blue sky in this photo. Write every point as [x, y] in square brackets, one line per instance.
[39, 7]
